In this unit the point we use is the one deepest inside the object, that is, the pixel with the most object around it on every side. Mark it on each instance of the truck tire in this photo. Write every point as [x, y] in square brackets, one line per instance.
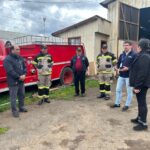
[66, 77]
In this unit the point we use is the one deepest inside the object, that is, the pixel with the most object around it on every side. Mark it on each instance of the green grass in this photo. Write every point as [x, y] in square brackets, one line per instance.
[3, 130]
[63, 93]
[66, 93]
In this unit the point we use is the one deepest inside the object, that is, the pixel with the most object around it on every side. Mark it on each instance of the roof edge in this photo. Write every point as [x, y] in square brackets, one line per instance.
[93, 18]
[106, 3]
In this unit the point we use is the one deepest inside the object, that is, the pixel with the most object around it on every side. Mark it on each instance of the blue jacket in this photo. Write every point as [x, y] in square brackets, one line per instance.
[125, 60]
[15, 67]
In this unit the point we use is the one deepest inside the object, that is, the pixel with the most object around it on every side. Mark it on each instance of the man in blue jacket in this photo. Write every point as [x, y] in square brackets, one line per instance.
[16, 73]
[123, 65]
[79, 64]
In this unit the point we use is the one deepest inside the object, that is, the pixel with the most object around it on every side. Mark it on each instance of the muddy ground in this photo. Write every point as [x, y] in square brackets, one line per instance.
[80, 124]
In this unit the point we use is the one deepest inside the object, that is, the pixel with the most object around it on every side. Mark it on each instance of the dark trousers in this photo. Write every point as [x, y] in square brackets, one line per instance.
[17, 91]
[79, 77]
[142, 105]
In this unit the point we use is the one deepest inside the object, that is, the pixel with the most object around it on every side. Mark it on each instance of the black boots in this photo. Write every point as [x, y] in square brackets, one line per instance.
[102, 95]
[107, 97]
[141, 126]
[46, 100]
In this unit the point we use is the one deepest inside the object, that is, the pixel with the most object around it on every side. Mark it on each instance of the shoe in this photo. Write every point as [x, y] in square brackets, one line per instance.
[83, 95]
[46, 100]
[135, 121]
[107, 97]
[23, 110]
[140, 127]
[125, 108]
[115, 106]
[40, 102]
[101, 96]
[15, 114]
[75, 95]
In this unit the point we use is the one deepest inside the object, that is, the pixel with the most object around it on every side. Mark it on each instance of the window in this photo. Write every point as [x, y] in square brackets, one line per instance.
[128, 22]
[74, 40]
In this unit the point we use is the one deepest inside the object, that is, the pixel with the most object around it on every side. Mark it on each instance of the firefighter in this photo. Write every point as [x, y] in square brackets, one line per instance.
[43, 62]
[105, 63]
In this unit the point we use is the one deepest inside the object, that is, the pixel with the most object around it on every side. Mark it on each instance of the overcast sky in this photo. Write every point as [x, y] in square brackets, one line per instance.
[27, 15]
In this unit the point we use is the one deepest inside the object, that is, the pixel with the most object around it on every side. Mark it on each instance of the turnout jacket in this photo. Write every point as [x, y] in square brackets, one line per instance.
[43, 63]
[105, 62]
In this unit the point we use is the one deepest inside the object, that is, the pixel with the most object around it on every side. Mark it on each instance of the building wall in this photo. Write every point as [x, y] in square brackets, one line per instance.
[87, 34]
[137, 3]
[113, 16]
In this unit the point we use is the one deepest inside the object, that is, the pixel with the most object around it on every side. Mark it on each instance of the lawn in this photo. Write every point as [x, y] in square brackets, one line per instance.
[3, 130]
[63, 93]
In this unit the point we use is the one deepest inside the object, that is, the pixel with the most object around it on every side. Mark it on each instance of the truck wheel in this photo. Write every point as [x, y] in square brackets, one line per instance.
[67, 76]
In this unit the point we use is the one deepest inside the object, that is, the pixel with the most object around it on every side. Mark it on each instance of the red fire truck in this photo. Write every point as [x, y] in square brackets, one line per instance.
[61, 54]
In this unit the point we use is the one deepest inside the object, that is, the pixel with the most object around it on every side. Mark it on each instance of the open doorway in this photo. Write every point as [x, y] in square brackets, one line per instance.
[103, 42]
[144, 24]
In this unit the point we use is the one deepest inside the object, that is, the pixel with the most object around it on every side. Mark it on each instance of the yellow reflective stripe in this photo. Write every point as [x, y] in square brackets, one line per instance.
[40, 96]
[34, 63]
[40, 58]
[101, 82]
[43, 87]
[107, 84]
[106, 72]
[48, 73]
[115, 60]
[105, 57]
[46, 87]
[102, 91]
[46, 96]
[107, 92]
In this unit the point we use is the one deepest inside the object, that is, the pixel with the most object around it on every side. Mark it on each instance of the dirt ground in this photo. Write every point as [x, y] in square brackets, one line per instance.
[81, 124]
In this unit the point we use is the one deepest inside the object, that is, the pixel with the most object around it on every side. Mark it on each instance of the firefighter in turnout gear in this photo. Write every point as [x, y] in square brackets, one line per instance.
[105, 64]
[43, 62]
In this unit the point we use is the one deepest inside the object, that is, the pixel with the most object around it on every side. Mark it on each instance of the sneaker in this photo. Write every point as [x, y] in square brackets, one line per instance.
[140, 127]
[15, 114]
[135, 121]
[23, 110]
[101, 96]
[46, 100]
[40, 102]
[125, 108]
[115, 106]
[107, 97]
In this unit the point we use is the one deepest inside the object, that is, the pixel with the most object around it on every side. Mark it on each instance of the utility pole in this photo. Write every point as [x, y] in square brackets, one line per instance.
[44, 20]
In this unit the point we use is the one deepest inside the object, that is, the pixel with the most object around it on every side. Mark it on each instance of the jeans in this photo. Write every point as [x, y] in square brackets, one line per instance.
[120, 83]
[15, 92]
